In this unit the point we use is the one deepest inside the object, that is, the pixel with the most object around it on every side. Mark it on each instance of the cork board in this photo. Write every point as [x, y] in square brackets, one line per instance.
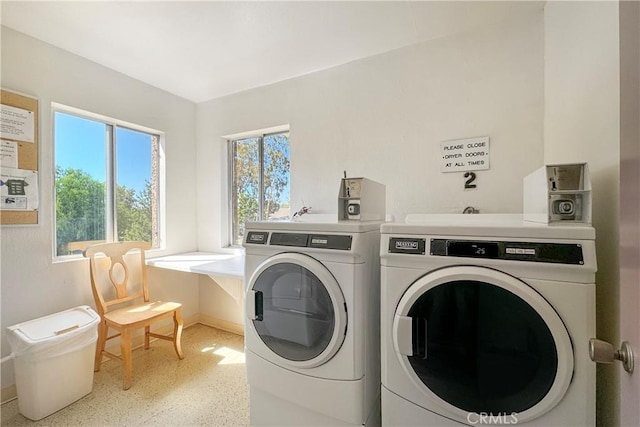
[27, 152]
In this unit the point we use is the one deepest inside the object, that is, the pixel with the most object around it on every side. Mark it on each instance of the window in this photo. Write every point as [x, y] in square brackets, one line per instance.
[106, 182]
[259, 180]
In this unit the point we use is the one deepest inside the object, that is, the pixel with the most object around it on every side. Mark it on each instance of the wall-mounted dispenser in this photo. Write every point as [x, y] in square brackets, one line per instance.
[558, 193]
[361, 199]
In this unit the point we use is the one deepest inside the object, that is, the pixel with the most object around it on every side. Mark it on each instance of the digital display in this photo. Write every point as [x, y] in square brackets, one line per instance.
[559, 253]
[473, 249]
[324, 241]
[331, 241]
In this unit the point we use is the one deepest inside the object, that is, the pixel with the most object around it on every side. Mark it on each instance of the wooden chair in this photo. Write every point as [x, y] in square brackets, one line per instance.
[119, 285]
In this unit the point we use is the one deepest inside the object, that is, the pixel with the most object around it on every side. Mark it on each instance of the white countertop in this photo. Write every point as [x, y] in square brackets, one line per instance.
[209, 263]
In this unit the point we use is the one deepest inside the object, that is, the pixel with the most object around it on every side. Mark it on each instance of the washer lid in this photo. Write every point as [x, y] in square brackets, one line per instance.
[486, 225]
[478, 341]
[312, 226]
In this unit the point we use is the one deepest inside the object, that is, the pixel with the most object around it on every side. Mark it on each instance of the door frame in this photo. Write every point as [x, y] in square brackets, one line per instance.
[629, 222]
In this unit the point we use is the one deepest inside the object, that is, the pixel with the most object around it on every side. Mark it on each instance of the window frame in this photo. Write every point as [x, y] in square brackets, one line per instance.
[230, 140]
[111, 126]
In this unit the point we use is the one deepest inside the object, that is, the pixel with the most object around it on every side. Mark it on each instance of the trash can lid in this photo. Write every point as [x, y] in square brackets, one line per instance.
[57, 324]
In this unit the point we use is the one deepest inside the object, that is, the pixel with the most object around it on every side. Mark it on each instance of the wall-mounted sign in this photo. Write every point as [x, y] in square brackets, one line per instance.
[464, 155]
[17, 124]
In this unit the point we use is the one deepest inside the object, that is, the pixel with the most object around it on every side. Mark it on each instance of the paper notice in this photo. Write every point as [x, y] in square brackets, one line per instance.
[18, 189]
[16, 123]
[8, 154]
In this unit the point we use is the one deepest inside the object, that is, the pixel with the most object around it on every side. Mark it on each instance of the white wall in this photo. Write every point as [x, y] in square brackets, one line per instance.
[582, 123]
[32, 284]
[384, 118]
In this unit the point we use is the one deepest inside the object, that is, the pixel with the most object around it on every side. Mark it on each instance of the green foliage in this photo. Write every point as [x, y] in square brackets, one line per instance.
[246, 186]
[134, 213]
[276, 172]
[81, 210]
[247, 180]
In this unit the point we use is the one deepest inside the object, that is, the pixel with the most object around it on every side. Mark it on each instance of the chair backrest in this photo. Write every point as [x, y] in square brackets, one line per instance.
[118, 273]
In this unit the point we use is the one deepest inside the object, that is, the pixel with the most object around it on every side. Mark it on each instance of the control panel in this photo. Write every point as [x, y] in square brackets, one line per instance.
[561, 253]
[309, 240]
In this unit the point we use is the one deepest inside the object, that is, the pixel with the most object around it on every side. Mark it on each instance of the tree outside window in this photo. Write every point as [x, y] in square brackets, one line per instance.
[106, 183]
[260, 181]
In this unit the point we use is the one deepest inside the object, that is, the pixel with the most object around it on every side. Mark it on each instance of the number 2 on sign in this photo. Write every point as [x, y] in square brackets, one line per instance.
[470, 176]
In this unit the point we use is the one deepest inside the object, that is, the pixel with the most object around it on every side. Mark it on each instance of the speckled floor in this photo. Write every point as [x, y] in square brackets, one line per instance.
[207, 388]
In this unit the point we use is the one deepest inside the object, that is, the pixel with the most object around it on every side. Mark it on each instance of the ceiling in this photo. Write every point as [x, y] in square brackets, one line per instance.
[207, 49]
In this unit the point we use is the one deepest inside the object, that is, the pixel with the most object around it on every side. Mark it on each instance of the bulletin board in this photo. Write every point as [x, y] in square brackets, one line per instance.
[19, 139]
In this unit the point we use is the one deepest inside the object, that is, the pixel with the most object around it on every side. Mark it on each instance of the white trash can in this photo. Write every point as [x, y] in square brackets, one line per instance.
[53, 360]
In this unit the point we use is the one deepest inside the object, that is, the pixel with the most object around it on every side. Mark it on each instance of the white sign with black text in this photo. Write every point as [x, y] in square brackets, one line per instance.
[464, 155]
[17, 124]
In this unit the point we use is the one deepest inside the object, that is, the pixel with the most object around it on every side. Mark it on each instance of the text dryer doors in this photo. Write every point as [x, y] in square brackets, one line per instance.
[476, 340]
[296, 307]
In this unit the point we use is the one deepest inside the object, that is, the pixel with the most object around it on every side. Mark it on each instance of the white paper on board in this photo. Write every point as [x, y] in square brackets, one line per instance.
[17, 124]
[8, 154]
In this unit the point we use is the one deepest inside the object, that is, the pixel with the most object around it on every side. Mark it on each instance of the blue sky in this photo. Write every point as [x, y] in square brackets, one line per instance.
[81, 144]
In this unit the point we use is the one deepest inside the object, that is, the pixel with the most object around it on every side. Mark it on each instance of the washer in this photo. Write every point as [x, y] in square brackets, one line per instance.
[486, 320]
[312, 344]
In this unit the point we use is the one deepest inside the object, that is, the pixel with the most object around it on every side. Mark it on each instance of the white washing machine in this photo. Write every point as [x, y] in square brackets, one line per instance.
[312, 343]
[486, 320]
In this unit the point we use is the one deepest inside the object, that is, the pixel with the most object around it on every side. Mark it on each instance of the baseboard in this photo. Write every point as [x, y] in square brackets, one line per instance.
[10, 392]
[224, 325]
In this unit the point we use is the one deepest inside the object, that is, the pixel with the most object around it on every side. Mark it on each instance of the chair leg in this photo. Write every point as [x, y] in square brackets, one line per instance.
[127, 359]
[177, 333]
[103, 330]
[147, 331]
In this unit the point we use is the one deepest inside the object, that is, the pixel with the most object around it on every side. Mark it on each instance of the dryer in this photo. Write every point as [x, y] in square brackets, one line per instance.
[312, 294]
[485, 320]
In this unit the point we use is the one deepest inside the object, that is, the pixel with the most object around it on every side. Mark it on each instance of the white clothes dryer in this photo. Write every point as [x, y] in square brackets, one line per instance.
[312, 344]
[486, 320]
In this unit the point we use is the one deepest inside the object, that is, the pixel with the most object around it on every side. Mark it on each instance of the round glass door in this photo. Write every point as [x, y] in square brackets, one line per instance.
[480, 341]
[297, 309]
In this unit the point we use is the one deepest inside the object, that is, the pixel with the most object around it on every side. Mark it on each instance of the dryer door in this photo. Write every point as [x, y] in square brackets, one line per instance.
[297, 309]
[478, 341]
